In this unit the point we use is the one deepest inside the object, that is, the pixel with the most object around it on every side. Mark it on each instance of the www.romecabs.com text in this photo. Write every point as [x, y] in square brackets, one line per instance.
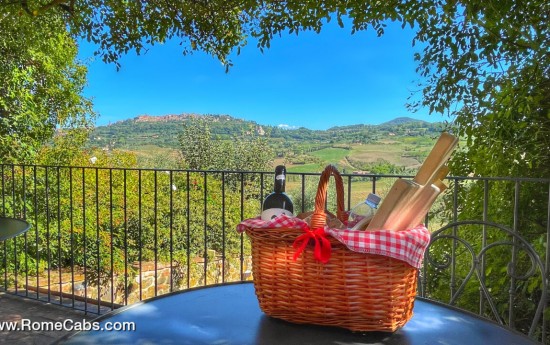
[66, 325]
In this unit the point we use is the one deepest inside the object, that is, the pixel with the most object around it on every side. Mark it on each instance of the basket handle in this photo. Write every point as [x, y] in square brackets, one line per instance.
[318, 219]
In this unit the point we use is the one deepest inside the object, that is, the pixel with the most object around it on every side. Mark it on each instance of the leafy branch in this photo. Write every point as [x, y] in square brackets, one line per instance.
[65, 5]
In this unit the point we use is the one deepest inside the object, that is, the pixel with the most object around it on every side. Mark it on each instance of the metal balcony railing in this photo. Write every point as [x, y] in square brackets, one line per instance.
[106, 237]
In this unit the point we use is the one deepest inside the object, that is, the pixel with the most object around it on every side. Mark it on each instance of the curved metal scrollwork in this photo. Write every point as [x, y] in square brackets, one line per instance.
[515, 241]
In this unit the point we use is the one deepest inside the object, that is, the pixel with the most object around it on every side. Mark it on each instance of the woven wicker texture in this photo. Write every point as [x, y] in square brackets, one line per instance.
[361, 292]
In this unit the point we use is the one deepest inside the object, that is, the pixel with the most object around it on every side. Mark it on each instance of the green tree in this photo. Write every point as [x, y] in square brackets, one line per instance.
[195, 144]
[247, 152]
[200, 151]
[486, 64]
[41, 85]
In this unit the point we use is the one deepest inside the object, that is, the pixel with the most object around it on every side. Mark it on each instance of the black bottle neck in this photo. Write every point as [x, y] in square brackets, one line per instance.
[280, 179]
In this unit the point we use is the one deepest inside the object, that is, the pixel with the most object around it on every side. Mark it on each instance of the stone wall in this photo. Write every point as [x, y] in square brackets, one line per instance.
[152, 280]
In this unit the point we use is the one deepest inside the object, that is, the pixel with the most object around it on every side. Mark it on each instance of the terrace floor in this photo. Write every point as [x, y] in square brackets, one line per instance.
[15, 309]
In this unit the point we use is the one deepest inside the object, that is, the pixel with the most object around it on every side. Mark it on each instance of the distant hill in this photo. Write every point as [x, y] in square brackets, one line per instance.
[402, 120]
[386, 148]
[162, 131]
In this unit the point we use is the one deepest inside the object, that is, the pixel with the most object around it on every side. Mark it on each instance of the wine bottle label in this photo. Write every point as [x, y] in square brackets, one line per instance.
[280, 177]
[272, 213]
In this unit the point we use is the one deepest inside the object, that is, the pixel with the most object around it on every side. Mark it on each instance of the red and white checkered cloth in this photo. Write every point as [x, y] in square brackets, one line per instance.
[408, 246]
[281, 221]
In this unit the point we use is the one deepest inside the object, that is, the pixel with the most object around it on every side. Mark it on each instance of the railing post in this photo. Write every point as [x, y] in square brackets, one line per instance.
[111, 236]
[155, 228]
[3, 192]
[36, 228]
[483, 244]
[98, 243]
[24, 191]
[47, 201]
[139, 237]
[453, 249]
[5, 260]
[511, 309]
[242, 236]
[125, 211]
[349, 192]
[172, 187]
[59, 235]
[303, 192]
[547, 271]
[224, 256]
[188, 236]
[205, 220]
[84, 236]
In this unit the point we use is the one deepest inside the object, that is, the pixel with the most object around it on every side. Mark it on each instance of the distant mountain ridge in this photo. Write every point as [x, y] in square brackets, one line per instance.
[402, 120]
[166, 118]
[161, 118]
[186, 116]
[163, 131]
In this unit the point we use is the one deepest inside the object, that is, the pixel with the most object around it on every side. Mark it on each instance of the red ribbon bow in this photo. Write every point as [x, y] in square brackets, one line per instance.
[322, 248]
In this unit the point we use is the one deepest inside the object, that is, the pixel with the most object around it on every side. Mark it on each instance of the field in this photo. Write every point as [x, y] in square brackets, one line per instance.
[305, 168]
[394, 147]
[360, 188]
[152, 156]
[392, 153]
[407, 153]
[332, 154]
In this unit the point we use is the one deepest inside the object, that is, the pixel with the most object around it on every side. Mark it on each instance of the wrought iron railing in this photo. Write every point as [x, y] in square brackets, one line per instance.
[104, 237]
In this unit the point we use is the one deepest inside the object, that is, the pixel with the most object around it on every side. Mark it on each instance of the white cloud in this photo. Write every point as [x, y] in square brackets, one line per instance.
[284, 126]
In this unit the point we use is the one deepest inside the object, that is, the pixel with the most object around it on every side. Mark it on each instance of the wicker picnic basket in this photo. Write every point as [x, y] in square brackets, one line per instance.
[357, 291]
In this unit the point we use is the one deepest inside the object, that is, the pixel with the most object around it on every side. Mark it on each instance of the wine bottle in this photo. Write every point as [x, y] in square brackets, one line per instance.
[277, 202]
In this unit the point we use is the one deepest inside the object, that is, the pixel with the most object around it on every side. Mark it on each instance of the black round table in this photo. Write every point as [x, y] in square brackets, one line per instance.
[229, 314]
[11, 227]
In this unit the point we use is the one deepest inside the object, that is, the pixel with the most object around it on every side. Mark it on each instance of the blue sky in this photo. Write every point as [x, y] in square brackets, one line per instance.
[311, 80]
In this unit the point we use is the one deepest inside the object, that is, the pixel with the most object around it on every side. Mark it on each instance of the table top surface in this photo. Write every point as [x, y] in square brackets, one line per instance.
[11, 227]
[230, 314]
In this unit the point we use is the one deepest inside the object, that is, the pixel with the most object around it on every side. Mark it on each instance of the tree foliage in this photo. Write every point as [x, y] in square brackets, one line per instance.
[41, 85]
[486, 63]
[480, 61]
[244, 152]
[216, 27]
[103, 218]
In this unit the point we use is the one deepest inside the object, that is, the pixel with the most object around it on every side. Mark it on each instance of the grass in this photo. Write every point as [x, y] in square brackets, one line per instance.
[408, 153]
[331, 154]
[405, 152]
[305, 168]
[393, 153]
[152, 156]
